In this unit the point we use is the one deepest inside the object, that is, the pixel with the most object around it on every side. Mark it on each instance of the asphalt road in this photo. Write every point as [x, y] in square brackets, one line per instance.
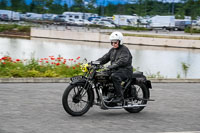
[37, 108]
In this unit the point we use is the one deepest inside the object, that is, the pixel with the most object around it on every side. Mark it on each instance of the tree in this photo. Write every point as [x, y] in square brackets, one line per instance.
[15, 4]
[78, 6]
[38, 6]
[65, 7]
[90, 6]
[3, 4]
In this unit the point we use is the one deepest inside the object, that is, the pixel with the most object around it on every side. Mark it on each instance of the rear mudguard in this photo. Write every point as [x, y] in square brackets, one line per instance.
[143, 81]
[83, 82]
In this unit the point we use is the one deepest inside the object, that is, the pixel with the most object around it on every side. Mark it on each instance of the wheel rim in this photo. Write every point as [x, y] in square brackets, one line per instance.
[78, 99]
[139, 95]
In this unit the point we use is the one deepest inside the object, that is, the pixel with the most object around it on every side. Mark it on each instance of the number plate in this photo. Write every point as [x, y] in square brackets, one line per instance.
[76, 78]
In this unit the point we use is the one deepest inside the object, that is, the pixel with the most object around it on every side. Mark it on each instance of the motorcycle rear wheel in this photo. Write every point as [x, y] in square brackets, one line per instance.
[76, 100]
[142, 93]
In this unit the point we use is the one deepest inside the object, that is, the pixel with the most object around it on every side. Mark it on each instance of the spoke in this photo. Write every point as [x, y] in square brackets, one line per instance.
[138, 89]
[83, 94]
[75, 90]
[82, 99]
[71, 96]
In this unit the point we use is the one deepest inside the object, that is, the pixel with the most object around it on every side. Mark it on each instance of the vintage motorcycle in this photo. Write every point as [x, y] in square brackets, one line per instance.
[96, 88]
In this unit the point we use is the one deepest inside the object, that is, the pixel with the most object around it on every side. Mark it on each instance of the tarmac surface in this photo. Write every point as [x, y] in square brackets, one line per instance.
[37, 108]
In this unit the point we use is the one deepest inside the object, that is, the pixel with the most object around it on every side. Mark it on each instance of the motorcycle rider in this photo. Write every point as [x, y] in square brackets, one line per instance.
[121, 63]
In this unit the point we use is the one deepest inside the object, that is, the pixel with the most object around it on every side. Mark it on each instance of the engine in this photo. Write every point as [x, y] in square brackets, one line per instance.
[102, 77]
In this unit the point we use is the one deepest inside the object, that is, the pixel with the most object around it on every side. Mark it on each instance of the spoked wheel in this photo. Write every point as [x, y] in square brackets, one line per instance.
[76, 100]
[141, 94]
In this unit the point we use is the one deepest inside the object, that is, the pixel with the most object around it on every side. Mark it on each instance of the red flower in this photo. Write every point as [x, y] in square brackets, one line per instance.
[52, 58]
[4, 58]
[17, 59]
[57, 64]
[4, 63]
[47, 61]
[74, 67]
[78, 57]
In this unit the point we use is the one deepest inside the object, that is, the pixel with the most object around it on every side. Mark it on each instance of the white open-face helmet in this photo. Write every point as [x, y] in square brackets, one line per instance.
[115, 36]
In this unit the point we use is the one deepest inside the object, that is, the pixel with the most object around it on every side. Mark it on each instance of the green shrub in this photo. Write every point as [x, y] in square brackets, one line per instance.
[50, 73]
[23, 28]
[133, 28]
[32, 73]
[11, 27]
[120, 27]
[193, 30]
[17, 73]
[51, 67]
[1, 29]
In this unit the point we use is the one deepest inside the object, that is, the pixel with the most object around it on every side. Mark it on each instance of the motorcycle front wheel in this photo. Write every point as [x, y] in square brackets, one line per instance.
[76, 100]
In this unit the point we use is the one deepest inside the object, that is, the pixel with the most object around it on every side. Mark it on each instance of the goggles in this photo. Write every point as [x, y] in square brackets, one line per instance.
[114, 42]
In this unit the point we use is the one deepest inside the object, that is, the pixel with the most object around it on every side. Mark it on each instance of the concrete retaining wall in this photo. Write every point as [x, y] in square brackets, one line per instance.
[102, 37]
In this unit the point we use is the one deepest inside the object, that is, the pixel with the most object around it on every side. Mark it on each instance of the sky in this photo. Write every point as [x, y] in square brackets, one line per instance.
[106, 2]
[99, 2]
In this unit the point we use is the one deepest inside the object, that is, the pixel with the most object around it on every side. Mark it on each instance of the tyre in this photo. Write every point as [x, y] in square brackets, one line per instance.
[142, 93]
[76, 100]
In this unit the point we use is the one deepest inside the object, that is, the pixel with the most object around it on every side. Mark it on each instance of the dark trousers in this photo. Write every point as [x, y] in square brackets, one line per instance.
[117, 77]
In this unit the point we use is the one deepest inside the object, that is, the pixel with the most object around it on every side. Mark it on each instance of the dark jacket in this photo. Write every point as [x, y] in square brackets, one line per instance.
[121, 58]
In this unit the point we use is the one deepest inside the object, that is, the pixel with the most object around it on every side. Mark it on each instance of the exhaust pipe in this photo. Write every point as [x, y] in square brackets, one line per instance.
[132, 106]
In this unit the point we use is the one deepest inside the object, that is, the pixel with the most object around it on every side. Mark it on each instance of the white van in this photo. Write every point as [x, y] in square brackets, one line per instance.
[163, 22]
[9, 15]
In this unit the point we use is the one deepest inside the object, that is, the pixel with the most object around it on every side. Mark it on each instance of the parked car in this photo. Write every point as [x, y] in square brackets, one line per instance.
[33, 16]
[105, 23]
[49, 17]
[109, 20]
[70, 22]
[94, 21]
[4, 17]
[60, 18]
[182, 24]
[93, 18]
[83, 22]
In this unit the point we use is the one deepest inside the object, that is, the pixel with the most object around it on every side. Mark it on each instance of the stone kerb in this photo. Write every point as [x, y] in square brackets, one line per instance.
[67, 80]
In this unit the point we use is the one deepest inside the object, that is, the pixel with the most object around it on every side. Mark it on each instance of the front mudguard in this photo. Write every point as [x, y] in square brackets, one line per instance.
[87, 85]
